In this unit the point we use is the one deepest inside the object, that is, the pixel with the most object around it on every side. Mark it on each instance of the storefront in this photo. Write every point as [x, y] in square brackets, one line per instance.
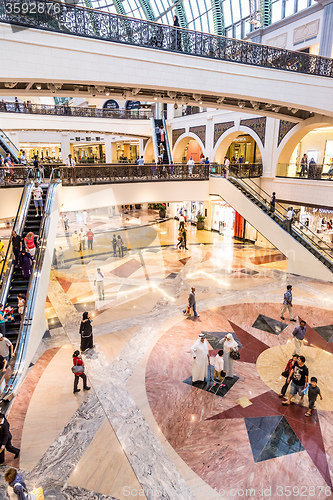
[88, 152]
[50, 152]
[246, 147]
[228, 222]
[319, 220]
[190, 209]
[127, 152]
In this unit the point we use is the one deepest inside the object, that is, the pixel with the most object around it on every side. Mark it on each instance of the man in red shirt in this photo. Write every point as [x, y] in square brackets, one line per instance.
[90, 236]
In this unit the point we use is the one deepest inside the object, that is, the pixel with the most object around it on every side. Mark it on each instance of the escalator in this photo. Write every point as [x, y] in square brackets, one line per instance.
[8, 147]
[19, 284]
[307, 254]
[166, 159]
[27, 333]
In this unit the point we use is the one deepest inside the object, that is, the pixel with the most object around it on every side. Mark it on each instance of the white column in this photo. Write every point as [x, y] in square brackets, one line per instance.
[65, 146]
[108, 154]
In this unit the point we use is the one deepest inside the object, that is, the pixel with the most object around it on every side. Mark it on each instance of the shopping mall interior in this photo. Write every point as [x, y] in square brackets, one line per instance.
[166, 247]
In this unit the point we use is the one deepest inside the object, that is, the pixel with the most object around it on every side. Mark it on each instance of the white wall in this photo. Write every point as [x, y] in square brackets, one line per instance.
[84, 197]
[300, 191]
[36, 55]
[9, 202]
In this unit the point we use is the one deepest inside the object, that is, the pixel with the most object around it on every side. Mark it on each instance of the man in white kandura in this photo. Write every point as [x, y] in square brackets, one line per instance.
[200, 355]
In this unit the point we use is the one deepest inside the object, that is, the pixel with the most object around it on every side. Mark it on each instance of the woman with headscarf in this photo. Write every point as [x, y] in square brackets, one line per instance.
[25, 263]
[177, 42]
[229, 344]
[86, 333]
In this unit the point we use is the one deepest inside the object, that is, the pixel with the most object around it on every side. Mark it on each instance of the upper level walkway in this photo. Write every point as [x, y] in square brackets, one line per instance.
[68, 52]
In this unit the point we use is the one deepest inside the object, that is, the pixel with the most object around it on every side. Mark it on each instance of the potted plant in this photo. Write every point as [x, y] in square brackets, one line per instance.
[200, 222]
[162, 211]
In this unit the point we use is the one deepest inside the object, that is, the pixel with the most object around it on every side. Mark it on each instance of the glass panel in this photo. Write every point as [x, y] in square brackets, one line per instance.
[276, 11]
[289, 7]
[302, 4]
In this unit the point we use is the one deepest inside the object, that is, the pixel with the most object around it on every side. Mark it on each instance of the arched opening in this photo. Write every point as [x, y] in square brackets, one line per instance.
[111, 104]
[133, 105]
[149, 156]
[185, 148]
[239, 147]
[312, 143]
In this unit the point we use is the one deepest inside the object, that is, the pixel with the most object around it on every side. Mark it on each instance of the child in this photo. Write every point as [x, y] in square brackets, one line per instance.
[9, 314]
[61, 259]
[218, 368]
[21, 303]
[313, 392]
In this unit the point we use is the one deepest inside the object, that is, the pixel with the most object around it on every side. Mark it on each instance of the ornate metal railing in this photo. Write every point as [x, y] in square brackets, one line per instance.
[240, 169]
[106, 174]
[43, 109]
[75, 20]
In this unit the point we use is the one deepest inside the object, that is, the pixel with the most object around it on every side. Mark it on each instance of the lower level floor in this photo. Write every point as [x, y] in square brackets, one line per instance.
[143, 430]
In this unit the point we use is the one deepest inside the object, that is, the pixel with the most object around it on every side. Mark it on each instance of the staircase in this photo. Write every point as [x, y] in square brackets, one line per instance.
[19, 284]
[7, 146]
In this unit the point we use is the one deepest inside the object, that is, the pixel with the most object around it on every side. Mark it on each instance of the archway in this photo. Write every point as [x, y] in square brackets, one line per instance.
[306, 137]
[242, 142]
[149, 155]
[187, 145]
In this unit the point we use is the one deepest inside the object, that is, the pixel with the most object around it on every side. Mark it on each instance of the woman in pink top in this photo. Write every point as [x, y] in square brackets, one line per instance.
[29, 242]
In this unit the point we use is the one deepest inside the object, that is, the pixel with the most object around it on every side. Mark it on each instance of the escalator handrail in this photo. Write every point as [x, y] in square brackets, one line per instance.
[166, 139]
[297, 230]
[154, 138]
[21, 345]
[14, 225]
[12, 145]
[306, 236]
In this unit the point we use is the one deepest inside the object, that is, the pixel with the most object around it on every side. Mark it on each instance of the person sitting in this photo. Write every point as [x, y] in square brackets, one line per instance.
[16, 482]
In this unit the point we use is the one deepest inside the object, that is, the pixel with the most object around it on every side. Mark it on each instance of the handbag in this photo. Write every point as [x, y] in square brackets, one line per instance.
[234, 354]
[77, 369]
[188, 311]
[285, 373]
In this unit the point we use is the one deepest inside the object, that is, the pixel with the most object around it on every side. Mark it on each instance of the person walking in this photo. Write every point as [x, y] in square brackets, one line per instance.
[190, 165]
[38, 198]
[299, 378]
[288, 303]
[192, 303]
[82, 238]
[181, 222]
[184, 236]
[99, 283]
[114, 244]
[90, 236]
[162, 134]
[66, 223]
[76, 241]
[313, 393]
[299, 334]
[61, 258]
[6, 439]
[78, 370]
[286, 373]
[120, 246]
[272, 205]
[229, 344]
[16, 483]
[87, 341]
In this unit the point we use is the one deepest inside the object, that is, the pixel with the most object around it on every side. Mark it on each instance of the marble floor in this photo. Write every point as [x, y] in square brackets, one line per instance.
[143, 430]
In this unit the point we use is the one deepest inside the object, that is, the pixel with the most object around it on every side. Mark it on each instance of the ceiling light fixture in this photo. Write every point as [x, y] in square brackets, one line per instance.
[241, 104]
[38, 86]
[107, 93]
[255, 105]
[197, 97]
[294, 110]
[220, 100]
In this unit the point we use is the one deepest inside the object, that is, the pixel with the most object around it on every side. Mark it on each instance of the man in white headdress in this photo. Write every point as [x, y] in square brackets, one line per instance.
[200, 356]
[229, 344]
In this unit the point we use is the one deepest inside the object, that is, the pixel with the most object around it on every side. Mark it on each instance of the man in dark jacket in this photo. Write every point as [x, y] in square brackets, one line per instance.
[6, 439]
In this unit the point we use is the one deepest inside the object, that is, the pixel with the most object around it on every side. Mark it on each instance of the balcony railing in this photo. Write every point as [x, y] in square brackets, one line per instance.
[240, 169]
[124, 172]
[75, 20]
[42, 109]
[319, 172]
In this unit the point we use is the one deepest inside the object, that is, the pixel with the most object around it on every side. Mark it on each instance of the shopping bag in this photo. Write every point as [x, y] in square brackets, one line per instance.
[188, 311]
